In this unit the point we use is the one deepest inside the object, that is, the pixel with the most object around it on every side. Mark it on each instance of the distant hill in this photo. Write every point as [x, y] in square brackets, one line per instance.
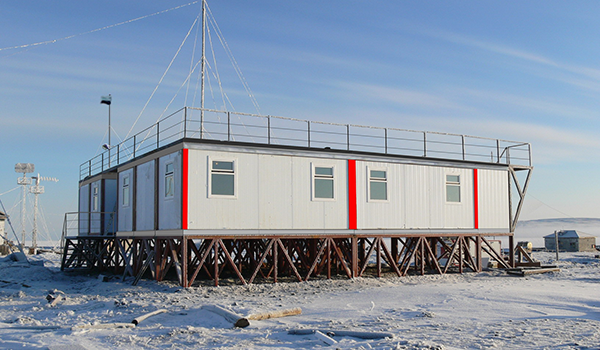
[560, 221]
[535, 230]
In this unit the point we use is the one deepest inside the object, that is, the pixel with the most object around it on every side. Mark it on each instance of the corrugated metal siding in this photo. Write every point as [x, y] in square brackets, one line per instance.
[274, 174]
[415, 189]
[458, 215]
[493, 199]
[275, 192]
[282, 185]
[218, 212]
[145, 191]
[416, 198]
[376, 214]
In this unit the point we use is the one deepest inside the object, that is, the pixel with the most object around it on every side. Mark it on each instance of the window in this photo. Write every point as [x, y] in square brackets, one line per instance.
[169, 180]
[378, 185]
[95, 198]
[453, 188]
[125, 191]
[323, 182]
[222, 178]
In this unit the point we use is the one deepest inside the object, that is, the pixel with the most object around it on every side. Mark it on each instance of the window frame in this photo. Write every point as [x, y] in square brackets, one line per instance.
[212, 171]
[95, 199]
[169, 178]
[315, 176]
[453, 184]
[378, 180]
[125, 201]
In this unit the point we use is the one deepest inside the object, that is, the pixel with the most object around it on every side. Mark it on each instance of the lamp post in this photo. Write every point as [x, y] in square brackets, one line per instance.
[107, 100]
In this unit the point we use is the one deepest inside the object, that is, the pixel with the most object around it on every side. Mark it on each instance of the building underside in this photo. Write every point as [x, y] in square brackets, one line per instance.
[245, 260]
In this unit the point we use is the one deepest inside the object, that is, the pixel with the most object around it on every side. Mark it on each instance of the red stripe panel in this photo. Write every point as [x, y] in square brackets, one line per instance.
[184, 188]
[476, 198]
[352, 212]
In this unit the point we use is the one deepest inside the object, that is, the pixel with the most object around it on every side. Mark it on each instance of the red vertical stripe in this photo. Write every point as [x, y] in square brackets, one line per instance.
[352, 194]
[476, 198]
[184, 188]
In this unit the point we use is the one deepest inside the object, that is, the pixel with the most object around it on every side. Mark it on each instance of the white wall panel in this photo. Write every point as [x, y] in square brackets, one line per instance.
[272, 192]
[95, 209]
[125, 205]
[84, 209]
[493, 199]
[275, 192]
[222, 212]
[416, 196]
[144, 192]
[462, 214]
[378, 214]
[169, 208]
[309, 213]
[274, 185]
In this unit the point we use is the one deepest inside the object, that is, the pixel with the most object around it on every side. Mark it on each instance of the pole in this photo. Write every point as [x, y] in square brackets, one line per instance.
[35, 210]
[202, 64]
[556, 242]
[109, 144]
[23, 199]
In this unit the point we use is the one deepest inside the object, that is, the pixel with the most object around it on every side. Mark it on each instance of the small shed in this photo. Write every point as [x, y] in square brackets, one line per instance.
[571, 241]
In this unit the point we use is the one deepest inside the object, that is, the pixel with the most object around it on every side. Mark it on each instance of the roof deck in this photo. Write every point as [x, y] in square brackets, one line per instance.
[208, 124]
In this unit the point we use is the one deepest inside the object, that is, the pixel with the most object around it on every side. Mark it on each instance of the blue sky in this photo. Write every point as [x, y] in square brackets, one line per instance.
[517, 70]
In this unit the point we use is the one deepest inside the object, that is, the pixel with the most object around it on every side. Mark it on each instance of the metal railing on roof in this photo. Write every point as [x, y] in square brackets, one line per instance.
[190, 122]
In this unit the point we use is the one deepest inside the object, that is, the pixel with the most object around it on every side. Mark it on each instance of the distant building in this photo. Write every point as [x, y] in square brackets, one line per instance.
[571, 241]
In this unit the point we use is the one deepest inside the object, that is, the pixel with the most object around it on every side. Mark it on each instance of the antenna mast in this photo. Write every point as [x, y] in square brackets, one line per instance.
[36, 190]
[202, 65]
[23, 181]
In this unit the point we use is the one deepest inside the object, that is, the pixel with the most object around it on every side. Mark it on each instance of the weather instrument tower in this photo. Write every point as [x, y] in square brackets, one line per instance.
[24, 181]
[36, 190]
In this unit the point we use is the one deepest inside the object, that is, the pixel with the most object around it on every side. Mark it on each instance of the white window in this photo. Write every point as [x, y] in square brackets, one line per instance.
[453, 188]
[222, 178]
[125, 191]
[95, 198]
[378, 185]
[323, 183]
[169, 180]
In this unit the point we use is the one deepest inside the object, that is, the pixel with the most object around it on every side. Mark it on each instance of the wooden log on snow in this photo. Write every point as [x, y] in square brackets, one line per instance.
[35, 328]
[56, 300]
[275, 314]
[139, 319]
[237, 320]
[354, 334]
[526, 272]
[324, 338]
[104, 326]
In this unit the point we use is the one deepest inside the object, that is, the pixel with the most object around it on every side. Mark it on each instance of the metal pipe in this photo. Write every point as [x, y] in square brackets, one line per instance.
[308, 129]
[498, 149]
[268, 130]
[386, 140]
[184, 122]
[157, 135]
[228, 126]
[348, 136]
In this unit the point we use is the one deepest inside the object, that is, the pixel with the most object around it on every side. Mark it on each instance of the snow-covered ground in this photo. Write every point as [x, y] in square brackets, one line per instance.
[470, 311]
